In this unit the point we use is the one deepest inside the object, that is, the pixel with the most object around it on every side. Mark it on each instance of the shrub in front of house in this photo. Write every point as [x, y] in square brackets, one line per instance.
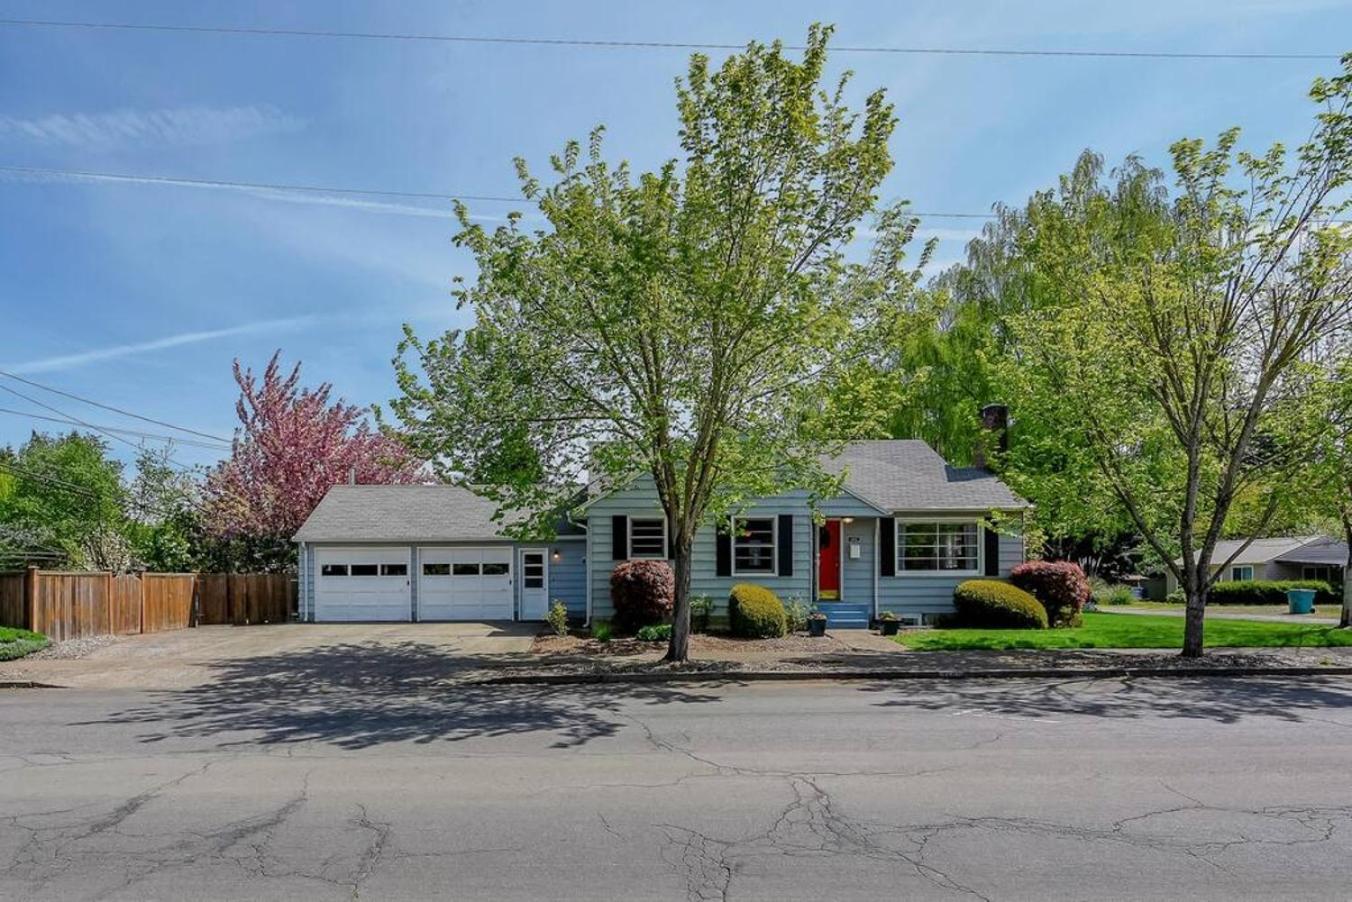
[655, 632]
[1060, 586]
[1268, 591]
[991, 604]
[642, 592]
[754, 612]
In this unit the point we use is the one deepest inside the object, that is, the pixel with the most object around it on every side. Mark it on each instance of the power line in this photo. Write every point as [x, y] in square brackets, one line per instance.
[322, 189]
[601, 43]
[151, 435]
[111, 408]
[112, 435]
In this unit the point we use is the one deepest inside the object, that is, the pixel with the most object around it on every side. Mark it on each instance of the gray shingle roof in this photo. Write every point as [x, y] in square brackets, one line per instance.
[909, 475]
[1260, 551]
[401, 513]
[1322, 550]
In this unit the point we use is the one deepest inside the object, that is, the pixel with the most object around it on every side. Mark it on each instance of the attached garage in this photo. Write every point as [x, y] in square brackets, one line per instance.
[401, 553]
[465, 583]
[356, 584]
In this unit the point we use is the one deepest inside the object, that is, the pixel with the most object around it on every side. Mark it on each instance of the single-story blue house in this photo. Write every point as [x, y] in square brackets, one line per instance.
[903, 532]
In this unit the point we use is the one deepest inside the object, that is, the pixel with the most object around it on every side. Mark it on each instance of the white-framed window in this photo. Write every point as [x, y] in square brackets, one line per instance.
[1241, 574]
[753, 545]
[648, 538]
[1319, 572]
[949, 547]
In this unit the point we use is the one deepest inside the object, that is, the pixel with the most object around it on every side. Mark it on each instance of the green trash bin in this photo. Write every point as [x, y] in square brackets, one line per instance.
[1300, 601]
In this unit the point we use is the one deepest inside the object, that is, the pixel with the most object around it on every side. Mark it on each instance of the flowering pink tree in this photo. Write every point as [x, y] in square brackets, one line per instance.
[292, 446]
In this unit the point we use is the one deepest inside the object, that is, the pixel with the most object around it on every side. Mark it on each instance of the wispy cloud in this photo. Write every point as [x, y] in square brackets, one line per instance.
[94, 355]
[304, 197]
[179, 127]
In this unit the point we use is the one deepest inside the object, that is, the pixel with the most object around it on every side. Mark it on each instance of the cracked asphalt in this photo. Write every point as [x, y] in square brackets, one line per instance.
[366, 782]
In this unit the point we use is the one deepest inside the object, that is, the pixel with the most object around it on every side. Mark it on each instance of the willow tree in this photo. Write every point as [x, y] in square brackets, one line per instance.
[675, 324]
[1178, 340]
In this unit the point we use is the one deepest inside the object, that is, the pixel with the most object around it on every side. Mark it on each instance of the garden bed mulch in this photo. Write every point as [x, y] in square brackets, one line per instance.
[578, 660]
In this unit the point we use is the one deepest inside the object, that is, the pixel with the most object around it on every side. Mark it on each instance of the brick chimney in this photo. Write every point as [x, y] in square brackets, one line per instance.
[995, 429]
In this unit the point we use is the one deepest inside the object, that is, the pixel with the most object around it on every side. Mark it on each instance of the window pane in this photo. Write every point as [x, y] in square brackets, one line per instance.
[937, 546]
[495, 569]
[754, 545]
[365, 570]
[647, 537]
[464, 569]
[394, 569]
[436, 569]
[535, 582]
[333, 570]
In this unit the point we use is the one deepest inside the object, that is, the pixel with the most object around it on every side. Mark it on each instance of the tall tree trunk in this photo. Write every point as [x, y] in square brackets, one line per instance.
[1345, 617]
[678, 649]
[1193, 617]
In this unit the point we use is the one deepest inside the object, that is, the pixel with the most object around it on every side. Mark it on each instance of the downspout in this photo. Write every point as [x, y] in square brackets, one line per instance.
[587, 569]
[877, 561]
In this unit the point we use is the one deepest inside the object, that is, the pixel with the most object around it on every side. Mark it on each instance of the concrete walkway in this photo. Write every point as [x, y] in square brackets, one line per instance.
[186, 658]
[1225, 613]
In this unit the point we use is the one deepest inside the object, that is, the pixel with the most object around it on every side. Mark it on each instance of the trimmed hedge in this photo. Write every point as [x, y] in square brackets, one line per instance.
[754, 612]
[642, 592]
[991, 604]
[1060, 586]
[1268, 591]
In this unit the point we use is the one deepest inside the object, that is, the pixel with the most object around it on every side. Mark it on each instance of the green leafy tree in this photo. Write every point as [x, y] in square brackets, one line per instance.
[1180, 338]
[62, 503]
[164, 503]
[678, 324]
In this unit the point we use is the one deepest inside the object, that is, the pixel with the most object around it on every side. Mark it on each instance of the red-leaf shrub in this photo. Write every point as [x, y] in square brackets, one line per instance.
[642, 592]
[1060, 586]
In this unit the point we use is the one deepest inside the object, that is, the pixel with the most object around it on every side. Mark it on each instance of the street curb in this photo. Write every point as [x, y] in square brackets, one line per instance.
[1016, 673]
[27, 684]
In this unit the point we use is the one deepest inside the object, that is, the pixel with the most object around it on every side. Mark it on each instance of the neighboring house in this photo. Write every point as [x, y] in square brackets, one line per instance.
[1282, 558]
[906, 529]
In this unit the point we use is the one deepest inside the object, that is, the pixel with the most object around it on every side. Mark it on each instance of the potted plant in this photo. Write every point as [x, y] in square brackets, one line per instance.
[816, 624]
[888, 623]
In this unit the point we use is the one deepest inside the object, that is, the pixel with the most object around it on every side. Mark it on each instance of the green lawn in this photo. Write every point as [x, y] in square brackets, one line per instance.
[15, 643]
[1130, 631]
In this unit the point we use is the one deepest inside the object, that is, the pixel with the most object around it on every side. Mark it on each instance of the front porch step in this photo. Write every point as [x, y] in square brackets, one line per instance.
[846, 616]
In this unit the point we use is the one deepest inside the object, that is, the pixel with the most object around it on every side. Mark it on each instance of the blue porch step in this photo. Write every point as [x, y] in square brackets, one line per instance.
[842, 615]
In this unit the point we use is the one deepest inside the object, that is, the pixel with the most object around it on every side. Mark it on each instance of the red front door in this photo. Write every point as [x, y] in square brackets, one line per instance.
[828, 561]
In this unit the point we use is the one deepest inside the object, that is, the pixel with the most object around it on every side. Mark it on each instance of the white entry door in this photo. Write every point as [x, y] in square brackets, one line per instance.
[465, 584]
[534, 572]
[356, 584]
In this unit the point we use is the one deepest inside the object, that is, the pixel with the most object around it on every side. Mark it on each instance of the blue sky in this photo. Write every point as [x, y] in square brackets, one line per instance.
[141, 295]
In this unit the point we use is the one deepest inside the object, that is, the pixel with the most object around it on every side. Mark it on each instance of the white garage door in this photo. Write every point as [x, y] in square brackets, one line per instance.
[465, 584]
[362, 584]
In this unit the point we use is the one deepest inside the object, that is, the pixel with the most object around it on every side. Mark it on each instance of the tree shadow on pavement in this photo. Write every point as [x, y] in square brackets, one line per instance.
[1223, 699]
[359, 696]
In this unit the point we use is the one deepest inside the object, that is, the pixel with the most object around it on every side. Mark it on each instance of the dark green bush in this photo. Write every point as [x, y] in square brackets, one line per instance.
[754, 612]
[991, 604]
[657, 632]
[1267, 591]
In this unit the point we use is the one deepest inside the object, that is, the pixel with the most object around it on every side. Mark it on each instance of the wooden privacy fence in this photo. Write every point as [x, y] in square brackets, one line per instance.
[66, 605]
[242, 598]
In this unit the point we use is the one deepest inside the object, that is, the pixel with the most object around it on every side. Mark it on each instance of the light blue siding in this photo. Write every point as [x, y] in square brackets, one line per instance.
[856, 580]
[926, 595]
[568, 576]
[640, 500]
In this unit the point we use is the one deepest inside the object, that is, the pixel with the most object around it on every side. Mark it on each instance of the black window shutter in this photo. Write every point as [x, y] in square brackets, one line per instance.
[784, 537]
[723, 552]
[619, 537]
[992, 552]
[887, 546]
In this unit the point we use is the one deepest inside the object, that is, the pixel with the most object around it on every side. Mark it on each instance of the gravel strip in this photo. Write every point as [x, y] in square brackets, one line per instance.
[72, 648]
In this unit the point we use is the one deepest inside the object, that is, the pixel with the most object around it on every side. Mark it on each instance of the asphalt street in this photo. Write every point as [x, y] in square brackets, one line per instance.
[365, 783]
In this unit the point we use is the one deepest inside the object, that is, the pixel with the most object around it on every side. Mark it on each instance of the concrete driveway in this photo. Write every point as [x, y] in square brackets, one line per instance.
[187, 658]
